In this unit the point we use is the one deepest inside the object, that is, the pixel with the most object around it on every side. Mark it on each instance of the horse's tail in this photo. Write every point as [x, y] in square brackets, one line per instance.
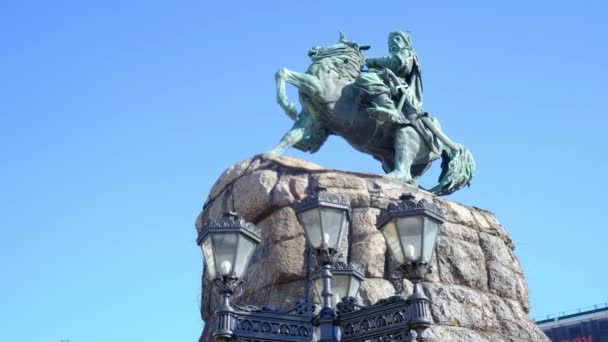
[457, 170]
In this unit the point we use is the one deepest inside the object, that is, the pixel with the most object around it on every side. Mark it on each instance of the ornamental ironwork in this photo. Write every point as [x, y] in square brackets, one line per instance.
[229, 222]
[408, 206]
[259, 324]
[325, 199]
[387, 320]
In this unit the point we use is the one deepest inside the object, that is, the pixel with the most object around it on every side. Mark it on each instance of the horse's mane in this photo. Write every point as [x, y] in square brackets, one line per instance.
[346, 61]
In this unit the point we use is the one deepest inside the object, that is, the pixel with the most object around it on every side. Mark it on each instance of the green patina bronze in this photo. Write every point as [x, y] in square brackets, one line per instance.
[378, 111]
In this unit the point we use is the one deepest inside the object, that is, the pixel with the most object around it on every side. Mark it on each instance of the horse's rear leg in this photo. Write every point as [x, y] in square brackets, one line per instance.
[301, 129]
[406, 148]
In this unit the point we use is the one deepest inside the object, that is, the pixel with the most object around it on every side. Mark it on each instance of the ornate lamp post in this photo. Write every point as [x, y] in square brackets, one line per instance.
[410, 229]
[227, 245]
[325, 218]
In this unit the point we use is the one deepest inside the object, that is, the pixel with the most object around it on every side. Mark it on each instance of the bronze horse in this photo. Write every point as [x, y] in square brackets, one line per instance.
[332, 105]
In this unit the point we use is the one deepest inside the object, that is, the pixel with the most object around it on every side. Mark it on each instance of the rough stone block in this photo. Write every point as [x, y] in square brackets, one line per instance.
[385, 190]
[217, 208]
[284, 296]
[282, 224]
[251, 194]
[286, 260]
[354, 188]
[370, 254]
[476, 285]
[457, 231]
[496, 249]
[257, 275]
[457, 334]
[507, 283]
[228, 177]
[461, 263]
[363, 222]
[289, 189]
[374, 289]
[461, 306]
[457, 213]
[257, 297]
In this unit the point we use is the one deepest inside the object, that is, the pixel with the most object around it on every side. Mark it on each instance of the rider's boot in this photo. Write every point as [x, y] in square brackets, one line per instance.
[383, 109]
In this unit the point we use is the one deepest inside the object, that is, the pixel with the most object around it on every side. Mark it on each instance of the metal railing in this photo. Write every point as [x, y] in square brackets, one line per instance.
[573, 312]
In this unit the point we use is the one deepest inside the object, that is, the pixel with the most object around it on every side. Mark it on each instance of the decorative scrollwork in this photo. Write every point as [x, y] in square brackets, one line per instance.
[272, 327]
[397, 281]
[253, 308]
[302, 308]
[339, 268]
[322, 198]
[412, 271]
[365, 325]
[382, 321]
[398, 317]
[398, 285]
[228, 284]
[265, 327]
[246, 325]
[347, 305]
[229, 222]
[327, 256]
[284, 329]
[389, 300]
[344, 266]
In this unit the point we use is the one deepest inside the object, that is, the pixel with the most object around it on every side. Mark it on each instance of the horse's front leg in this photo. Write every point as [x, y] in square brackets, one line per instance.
[301, 129]
[306, 83]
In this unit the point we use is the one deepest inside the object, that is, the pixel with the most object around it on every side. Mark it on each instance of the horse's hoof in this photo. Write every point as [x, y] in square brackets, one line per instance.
[400, 176]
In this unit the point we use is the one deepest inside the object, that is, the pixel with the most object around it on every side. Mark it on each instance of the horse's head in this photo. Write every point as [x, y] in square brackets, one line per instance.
[344, 48]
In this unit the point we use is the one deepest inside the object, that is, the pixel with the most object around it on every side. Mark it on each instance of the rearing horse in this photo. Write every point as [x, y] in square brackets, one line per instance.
[332, 105]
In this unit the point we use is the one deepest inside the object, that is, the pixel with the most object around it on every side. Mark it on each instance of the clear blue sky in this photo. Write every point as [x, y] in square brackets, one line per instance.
[117, 117]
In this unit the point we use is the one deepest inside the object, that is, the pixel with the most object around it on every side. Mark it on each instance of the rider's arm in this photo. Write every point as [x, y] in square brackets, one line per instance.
[396, 62]
[382, 62]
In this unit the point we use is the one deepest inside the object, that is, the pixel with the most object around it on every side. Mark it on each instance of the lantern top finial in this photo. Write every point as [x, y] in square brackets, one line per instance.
[408, 206]
[229, 222]
[322, 199]
[340, 267]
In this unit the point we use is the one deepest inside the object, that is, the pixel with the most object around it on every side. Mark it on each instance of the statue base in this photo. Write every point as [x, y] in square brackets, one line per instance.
[475, 284]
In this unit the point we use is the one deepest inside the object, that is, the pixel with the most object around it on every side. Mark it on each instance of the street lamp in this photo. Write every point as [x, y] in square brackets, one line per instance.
[227, 245]
[346, 280]
[410, 229]
[325, 218]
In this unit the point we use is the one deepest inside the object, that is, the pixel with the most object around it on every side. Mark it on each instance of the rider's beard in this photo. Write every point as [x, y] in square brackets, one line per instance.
[395, 49]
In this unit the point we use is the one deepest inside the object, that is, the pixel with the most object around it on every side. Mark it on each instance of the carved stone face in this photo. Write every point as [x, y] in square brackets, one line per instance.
[396, 43]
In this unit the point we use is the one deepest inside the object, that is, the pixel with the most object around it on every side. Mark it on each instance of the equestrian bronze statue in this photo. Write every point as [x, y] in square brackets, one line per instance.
[378, 111]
